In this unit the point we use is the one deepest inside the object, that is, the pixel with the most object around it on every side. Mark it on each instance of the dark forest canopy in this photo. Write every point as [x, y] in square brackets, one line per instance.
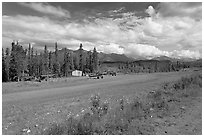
[19, 62]
[24, 62]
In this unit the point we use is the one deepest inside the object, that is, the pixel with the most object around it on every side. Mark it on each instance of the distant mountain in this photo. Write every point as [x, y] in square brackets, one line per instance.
[187, 59]
[141, 58]
[113, 57]
[162, 58]
[173, 59]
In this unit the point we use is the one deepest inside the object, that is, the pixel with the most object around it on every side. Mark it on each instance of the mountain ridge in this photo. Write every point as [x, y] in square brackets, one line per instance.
[114, 57]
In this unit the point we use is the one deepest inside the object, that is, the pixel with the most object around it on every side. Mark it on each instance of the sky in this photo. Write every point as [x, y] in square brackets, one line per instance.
[136, 29]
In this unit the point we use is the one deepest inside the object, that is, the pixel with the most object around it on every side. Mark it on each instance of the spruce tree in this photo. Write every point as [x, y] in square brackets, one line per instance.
[68, 62]
[40, 63]
[65, 65]
[35, 62]
[71, 60]
[29, 59]
[56, 66]
[45, 61]
[95, 60]
[81, 64]
[13, 73]
[76, 61]
[21, 60]
[7, 60]
[89, 62]
[4, 72]
[50, 62]
[32, 62]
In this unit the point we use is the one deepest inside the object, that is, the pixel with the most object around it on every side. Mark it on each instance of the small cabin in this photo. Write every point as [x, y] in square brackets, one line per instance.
[77, 73]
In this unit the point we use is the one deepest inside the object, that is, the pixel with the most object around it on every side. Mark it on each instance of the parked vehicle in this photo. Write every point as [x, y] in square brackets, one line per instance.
[104, 73]
[45, 77]
[112, 73]
[96, 75]
[26, 78]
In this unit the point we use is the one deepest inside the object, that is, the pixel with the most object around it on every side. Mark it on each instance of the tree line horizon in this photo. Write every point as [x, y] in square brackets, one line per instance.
[19, 62]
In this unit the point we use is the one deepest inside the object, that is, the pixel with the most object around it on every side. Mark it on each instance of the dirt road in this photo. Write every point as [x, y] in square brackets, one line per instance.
[87, 87]
[25, 108]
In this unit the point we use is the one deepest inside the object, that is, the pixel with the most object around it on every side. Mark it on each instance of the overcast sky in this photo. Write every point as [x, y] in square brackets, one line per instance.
[134, 29]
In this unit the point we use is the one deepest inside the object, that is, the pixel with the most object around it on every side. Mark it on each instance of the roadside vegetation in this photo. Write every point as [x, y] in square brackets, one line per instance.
[131, 116]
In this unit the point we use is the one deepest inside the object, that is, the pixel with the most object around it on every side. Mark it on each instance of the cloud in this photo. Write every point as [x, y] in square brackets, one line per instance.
[186, 54]
[156, 35]
[47, 9]
[34, 23]
[31, 27]
[117, 10]
[150, 10]
[111, 48]
[143, 50]
[152, 28]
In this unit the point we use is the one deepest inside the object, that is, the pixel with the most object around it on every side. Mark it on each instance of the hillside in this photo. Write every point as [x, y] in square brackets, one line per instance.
[173, 59]
[113, 57]
[114, 60]
[163, 58]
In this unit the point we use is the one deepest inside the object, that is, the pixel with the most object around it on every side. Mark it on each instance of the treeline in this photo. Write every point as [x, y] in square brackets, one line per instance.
[150, 66]
[19, 62]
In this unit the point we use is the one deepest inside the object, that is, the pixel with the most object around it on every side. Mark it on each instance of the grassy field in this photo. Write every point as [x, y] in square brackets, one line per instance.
[157, 103]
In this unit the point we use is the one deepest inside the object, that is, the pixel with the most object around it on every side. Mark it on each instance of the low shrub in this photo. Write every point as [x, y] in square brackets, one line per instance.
[85, 125]
[157, 104]
[134, 110]
[102, 120]
[184, 82]
[128, 118]
[98, 108]
[119, 119]
[56, 129]
[116, 122]
[138, 127]
[188, 86]
[68, 127]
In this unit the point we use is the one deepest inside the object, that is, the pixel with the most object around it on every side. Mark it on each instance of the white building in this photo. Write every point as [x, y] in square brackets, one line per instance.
[77, 73]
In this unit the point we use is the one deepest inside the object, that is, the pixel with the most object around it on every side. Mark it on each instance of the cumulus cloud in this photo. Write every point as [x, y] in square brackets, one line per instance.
[143, 50]
[117, 10]
[185, 54]
[34, 23]
[31, 28]
[152, 28]
[111, 48]
[156, 35]
[150, 10]
[47, 9]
